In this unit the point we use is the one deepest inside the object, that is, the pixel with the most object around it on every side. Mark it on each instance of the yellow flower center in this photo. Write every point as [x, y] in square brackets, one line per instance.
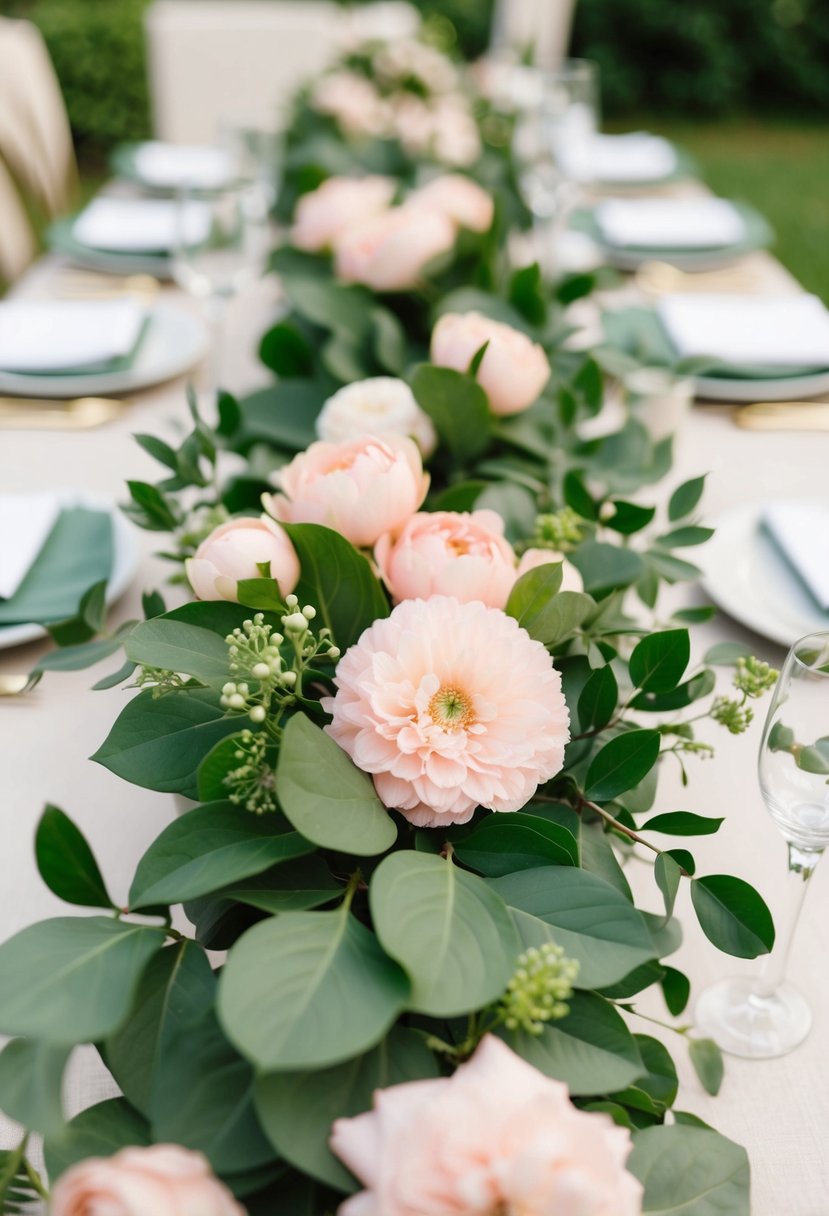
[451, 708]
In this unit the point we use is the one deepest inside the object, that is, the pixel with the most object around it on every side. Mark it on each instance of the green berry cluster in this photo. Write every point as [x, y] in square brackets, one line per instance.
[539, 988]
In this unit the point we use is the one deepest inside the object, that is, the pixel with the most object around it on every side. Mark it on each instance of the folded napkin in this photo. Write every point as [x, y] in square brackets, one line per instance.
[141, 225]
[670, 223]
[170, 165]
[77, 553]
[69, 336]
[773, 331]
[25, 522]
[635, 157]
[801, 532]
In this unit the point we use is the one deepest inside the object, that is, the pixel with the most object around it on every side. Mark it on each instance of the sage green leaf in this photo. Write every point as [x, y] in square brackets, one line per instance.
[458, 406]
[591, 1049]
[503, 843]
[604, 567]
[656, 1088]
[598, 699]
[297, 1109]
[658, 662]
[695, 689]
[676, 989]
[726, 654]
[685, 498]
[621, 764]
[66, 863]
[732, 915]
[206, 849]
[707, 1060]
[176, 989]
[177, 646]
[592, 921]
[682, 823]
[305, 883]
[284, 414]
[308, 989]
[531, 598]
[690, 1171]
[98, 1131]
[78, 657]
[31, 1076]
[72, 979]
[668, 877]
[326, 797]
[447, 928]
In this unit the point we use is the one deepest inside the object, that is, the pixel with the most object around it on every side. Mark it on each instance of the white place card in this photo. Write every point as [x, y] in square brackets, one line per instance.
[670, 223]
[145, 225]
[67, 335]
[782, 331]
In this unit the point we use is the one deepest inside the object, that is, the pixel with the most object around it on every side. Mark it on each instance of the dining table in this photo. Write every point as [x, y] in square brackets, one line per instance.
[778, 1108]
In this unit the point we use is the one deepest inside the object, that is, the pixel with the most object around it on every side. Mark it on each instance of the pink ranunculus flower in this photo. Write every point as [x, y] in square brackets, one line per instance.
[360, 489]
[497, 1138]
[514, 369]
[391, 251]
[324, 214]
[234, 551]
[450, 706]
[571, 579]
[382, 405]
[464, 201]
[449, 553]
[162, 1180]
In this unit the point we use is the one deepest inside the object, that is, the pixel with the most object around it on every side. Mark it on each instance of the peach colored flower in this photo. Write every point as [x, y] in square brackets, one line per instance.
[571, 579]
[353, 101]
[449, 553]
[163, 1180]
[497, 1138]
[390, 252]
[234, 551]
[514, 369]
[324, 214]
[450, 706]
[382, 405]
[464, 201]
[360, 489]
[457, 141]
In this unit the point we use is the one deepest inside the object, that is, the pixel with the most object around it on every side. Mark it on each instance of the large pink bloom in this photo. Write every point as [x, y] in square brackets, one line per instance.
[498, 1138]
[514, 369]
[450, 706]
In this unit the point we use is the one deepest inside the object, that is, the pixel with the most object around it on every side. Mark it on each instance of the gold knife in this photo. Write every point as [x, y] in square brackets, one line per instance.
[784, 416]
[75, 414]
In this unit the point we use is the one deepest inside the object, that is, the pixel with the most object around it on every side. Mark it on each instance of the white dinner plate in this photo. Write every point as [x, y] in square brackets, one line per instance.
[746, 575]
[784, 388]
[175, 341]
[124, 559]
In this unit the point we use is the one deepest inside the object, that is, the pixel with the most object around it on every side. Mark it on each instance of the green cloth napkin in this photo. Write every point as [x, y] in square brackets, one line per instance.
[77, 553]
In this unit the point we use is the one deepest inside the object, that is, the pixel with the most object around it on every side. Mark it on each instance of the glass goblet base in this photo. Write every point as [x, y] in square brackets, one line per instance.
[745, 1023]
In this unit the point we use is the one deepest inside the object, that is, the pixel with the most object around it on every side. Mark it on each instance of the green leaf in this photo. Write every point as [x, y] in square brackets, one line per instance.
[659, 1081]
[458, 406]
[621, 764]
[592, 921]
[690, 1171]
[447, 928]
[685, 498]
[598, 699]
[676, 989]
[338, 581]
[682, 823]
[286, 351]
[683, 538]
[589, 381]
[98, 1131]
[150, 508]
[158, 449]
[605, 567]
[515, 504]
[671, 568]
[726, 654]
[31, 1076]
[72, 979]
[814, 758]
[305, 883]
[591, 1049]
[781, 738]
[577, 496]
[732, 915]
[501, 844]
[66, 863]
[658, 662]
[389, 341]
[668, 877]
[297, 1109]
[326, 797]
[284, 414]
[629, 517]
[695, 689]
[176, 646]
[308, 989]
[527, 294]
[532, 597]
[707, 1060]
[77, 657]
[206, 849]
[335, 306]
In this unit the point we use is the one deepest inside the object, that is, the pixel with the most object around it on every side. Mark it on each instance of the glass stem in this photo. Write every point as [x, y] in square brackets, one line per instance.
[216, 312]
[802, 864]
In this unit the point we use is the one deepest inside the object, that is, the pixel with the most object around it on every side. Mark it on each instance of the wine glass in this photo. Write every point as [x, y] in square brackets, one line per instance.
[571, 102]
[765, 1017]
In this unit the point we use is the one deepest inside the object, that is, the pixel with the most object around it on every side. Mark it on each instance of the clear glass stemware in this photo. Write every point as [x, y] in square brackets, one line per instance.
[765, 1017]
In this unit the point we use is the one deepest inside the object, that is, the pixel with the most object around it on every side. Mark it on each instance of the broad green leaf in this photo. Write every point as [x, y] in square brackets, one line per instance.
[577, 496]
[532, 596]
[659, 1080]
[31, 1076]
[591, 1049]
[515, 504]
[503, 843]
[685, 498]
[707, 1060]
[621, 764]
[604, 567]
[527, 293]
[308, 989]
[98, 1131]
[176, 646]
[681, 538]
[388, 341]
[79, 657]
[66, 862]
[676, 989]
[297, 1109]
[668, 877]
[457, 405]
[695, 689]
[448, 930]
[326, 797]
[305, 883]
[690, 1171]
[672, 569]
[682, 823]
[286, 351]
[637, 981]
[629, 517]
[732, 915]
[284, 414]
[598, 699]
[589, 381]
[590, 919]
[565, 614]
[726, 654]
[72, 979]
[206, 849]
[658, 662]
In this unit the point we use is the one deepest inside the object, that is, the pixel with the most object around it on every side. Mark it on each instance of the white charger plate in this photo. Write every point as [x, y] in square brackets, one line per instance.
[124, 560]
[746, 575]
[784, 388]
[175, 341]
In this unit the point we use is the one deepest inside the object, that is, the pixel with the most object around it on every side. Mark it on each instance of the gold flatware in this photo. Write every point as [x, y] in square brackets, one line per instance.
[76, 414]
[659, 278]
[784, 416]
[13, 685]
[91, 285]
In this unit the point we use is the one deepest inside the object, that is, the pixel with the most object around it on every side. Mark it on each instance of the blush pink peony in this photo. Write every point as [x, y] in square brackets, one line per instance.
[163, 1180]
[325, 214]
[234, 551]
[449, 553]
[465, 202]
[514, 369]
[497, 1138]
[391, 251]
[450, 706]
[360, 489]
